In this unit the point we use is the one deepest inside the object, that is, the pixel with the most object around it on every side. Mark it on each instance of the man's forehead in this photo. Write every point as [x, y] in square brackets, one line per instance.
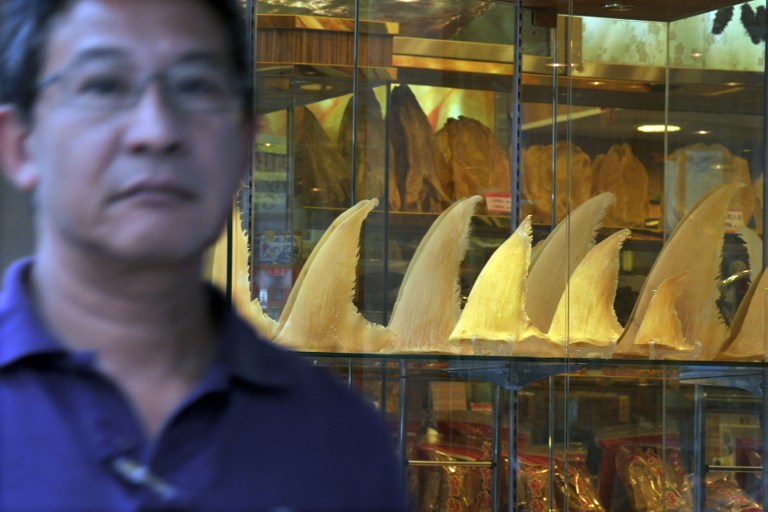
[118, 56]
[136, 29]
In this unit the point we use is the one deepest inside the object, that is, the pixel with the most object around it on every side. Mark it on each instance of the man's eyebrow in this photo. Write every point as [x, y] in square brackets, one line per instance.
[203, 57]
[92, 54]
[190, 57]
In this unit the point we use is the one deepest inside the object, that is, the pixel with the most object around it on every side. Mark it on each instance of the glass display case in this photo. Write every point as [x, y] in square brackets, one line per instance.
[586, 434]
[529, 231]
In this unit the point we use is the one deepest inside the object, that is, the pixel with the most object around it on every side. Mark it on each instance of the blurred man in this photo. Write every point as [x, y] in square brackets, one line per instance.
[125, 382]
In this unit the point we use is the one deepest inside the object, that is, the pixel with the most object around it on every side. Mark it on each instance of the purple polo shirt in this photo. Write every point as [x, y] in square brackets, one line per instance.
[263, 430]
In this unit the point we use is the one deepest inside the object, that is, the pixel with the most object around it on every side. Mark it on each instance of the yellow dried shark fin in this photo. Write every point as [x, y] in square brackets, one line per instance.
[241, 290]
[695, 246]
[585, 313]
[495, 308]
[428, 303]
[241, 283]
[323, 316]
[354, 210]
[661, 323]
[750, 327]
[559, 256]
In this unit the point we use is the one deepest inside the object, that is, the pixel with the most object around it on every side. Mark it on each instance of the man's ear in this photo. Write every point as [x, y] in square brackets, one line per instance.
[14, 157]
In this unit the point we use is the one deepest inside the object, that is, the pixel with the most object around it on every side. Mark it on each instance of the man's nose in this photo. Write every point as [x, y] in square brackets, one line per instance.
[154, 125]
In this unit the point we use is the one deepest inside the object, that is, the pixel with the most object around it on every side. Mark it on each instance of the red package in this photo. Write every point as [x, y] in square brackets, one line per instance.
[579, 490]
[723, 494]
[615, 491]
[452, 488]
[571, 482]
[651, 483]
[749, 452]
[533, 485]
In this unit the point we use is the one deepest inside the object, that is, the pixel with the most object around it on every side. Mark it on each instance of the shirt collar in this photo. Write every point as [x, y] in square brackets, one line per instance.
[248, 355]
[242, 353]
[22, 332]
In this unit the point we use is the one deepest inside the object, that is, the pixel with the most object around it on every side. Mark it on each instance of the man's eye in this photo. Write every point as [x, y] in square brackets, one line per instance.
[198, 86]
[103, 86]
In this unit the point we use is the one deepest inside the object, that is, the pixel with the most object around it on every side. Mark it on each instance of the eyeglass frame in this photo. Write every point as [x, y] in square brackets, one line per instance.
[138, 89]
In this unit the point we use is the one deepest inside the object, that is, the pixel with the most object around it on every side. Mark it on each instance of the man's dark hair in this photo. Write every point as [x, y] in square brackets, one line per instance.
[25, 30]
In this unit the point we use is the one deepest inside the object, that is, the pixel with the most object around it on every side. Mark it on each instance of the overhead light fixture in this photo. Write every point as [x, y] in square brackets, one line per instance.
[702, 132]
[658, 128]
[617, 7]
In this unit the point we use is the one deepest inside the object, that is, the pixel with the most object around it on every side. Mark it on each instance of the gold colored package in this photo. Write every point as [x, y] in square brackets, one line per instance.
[533, 485]
[452, 488]
[573, 487]
[723, 494]
[476, 430]
[651, 484]
[643, 448]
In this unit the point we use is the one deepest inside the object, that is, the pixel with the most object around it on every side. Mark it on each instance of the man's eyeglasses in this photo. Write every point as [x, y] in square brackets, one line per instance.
[193, 88]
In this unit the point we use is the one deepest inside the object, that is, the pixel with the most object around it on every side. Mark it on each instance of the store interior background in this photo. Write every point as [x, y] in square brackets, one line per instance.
[607, 43]
[16, 235]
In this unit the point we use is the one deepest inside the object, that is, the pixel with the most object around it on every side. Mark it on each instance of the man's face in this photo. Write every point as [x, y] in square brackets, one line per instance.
[147, 182]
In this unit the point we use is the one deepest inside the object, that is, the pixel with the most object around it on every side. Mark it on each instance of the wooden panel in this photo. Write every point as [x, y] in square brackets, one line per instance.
[323, 41]
[322, 47]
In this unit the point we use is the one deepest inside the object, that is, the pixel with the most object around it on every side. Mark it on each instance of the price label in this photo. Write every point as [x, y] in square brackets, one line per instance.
[498, 202]
[734, 219]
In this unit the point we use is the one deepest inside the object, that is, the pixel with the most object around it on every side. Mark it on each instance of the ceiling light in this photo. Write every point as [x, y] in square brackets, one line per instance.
[658, 128]
[617, 7]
